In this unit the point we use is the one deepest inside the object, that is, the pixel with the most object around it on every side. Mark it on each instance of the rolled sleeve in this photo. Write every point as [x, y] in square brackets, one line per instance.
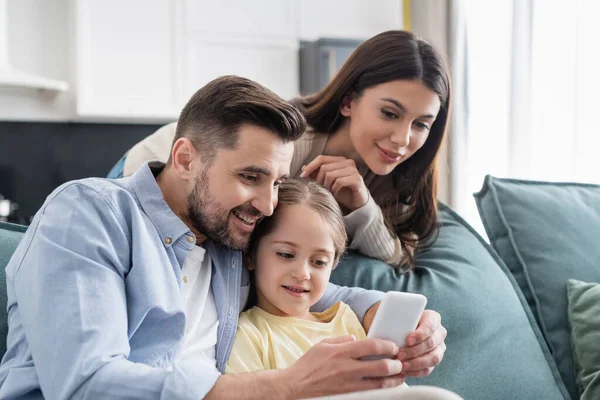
[369, 234]
[359, 299]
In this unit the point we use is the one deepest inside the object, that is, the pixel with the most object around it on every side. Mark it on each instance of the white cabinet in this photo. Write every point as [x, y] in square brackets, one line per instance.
[254, 39]
[127, 59]
[140, 60]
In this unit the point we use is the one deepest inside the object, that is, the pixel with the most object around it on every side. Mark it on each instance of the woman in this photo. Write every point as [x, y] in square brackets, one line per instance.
[375, 133]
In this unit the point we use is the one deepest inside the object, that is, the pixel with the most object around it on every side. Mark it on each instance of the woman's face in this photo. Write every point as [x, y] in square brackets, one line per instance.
[389, 122]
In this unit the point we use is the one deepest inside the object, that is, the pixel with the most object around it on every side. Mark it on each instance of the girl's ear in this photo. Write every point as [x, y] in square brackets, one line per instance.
[251, 266]
[346, 106]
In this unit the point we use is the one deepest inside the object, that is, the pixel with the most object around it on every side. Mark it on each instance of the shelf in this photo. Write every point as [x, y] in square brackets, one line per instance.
[12, 78]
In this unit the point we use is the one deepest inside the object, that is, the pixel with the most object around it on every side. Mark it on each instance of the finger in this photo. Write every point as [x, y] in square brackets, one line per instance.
[371, 347]
[429, 323]
[332, 176]
[317, 163]
[378, 368]
[340, 339]
[351, 182]
[428, 345]
[419, 373]
[327, 168]
[427, 361]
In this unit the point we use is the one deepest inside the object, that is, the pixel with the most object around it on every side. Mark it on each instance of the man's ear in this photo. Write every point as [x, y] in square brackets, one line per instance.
[346, 106]
[183, 155]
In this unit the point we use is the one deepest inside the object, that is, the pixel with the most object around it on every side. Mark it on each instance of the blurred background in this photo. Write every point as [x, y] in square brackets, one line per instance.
[81, 81]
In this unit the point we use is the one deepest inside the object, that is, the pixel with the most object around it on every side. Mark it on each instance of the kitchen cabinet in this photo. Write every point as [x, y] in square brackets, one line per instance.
[139, 61]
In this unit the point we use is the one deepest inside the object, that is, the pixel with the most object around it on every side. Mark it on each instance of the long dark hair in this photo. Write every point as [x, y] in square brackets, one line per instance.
[390, 56]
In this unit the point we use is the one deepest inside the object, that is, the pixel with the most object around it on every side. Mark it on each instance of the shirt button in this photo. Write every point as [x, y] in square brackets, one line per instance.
[185, 279]
[191, 239]
[168, 240]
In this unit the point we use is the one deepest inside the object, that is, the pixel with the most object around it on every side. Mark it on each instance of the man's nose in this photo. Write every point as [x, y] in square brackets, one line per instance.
[265, 201]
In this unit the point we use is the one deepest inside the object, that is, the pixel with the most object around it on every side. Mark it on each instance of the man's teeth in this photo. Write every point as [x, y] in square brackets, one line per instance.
[245, 219]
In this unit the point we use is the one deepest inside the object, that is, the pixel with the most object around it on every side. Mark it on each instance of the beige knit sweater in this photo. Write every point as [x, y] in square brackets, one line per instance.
[365, 226]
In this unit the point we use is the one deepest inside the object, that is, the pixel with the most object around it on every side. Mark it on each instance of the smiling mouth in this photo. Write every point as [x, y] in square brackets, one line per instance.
[389, 153]
[295, 289]
[247, 220]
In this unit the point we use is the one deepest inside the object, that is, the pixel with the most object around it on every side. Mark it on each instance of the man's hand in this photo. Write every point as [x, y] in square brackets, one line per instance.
[425, 347]
[330, 367]
[334, 366]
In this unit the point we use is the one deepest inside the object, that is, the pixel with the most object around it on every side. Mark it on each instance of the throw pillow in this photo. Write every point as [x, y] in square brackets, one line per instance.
[584, 317]
[545, 233]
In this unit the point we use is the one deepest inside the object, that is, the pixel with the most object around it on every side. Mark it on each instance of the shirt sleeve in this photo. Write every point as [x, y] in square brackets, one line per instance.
[70, 292]
[359, 299]
[246, 353]
[370, 236]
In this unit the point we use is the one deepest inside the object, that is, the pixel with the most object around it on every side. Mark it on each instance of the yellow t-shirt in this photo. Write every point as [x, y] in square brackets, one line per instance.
[265, 341]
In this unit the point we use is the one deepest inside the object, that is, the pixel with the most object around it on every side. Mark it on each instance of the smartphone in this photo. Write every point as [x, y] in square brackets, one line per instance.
[398, 315]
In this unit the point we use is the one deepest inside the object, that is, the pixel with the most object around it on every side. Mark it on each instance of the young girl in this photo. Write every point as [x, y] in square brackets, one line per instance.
[292, 254]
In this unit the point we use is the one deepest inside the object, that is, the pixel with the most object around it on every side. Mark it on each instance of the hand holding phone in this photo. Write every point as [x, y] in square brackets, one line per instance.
[398, 315]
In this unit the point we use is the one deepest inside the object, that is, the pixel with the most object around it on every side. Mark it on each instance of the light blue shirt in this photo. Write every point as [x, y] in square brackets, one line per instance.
[95, 304]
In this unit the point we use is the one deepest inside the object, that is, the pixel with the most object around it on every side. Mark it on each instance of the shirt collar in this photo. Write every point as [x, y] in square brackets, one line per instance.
[169, 226]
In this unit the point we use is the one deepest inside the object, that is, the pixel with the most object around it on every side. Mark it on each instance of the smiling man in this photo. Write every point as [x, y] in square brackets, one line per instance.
[132, 288]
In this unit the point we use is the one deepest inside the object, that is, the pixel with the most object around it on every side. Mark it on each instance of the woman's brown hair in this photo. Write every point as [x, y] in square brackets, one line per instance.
[390, 56]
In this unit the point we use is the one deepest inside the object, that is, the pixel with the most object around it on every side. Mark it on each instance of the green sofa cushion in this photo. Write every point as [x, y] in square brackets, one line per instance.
[584, 317]
[494, 347]
[545, 233]
[10, 235]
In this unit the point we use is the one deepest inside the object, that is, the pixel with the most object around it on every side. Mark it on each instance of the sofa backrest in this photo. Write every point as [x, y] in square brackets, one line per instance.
[10, 235]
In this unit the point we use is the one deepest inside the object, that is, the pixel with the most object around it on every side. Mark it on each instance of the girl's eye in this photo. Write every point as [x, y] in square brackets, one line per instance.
[285, 256]
[321, 263]
[388, 114]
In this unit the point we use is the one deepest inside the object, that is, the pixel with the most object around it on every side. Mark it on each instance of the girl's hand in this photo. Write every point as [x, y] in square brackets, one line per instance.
[340, 176]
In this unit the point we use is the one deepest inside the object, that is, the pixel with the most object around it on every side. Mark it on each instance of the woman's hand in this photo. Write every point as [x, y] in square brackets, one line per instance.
[340, 176]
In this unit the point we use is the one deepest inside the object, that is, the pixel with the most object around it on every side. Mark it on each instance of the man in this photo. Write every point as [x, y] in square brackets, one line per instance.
[131, 288]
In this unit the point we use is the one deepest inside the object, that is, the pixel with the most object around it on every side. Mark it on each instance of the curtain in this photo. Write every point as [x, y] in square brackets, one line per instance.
[442, 23]
[526, 91]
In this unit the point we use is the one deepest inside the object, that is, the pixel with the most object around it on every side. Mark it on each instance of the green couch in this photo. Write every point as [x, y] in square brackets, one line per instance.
[501, 303]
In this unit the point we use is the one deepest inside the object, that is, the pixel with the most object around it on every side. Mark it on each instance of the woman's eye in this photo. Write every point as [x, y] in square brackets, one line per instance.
[422, 126]
[283, 255]
[389, 114]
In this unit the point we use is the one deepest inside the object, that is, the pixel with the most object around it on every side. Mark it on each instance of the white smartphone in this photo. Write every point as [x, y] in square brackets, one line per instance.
[398, 315]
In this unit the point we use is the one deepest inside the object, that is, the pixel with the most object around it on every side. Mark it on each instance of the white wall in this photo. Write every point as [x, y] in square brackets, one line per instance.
[140, 60]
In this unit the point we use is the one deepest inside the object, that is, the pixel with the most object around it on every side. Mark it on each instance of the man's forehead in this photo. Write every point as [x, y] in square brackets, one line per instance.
[267, 160]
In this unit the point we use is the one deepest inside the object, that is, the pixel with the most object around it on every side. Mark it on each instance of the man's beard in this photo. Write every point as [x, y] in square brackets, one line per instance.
[208, 218]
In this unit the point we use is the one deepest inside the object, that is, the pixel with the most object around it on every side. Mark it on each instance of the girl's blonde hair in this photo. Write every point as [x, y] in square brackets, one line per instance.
[294, 192]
